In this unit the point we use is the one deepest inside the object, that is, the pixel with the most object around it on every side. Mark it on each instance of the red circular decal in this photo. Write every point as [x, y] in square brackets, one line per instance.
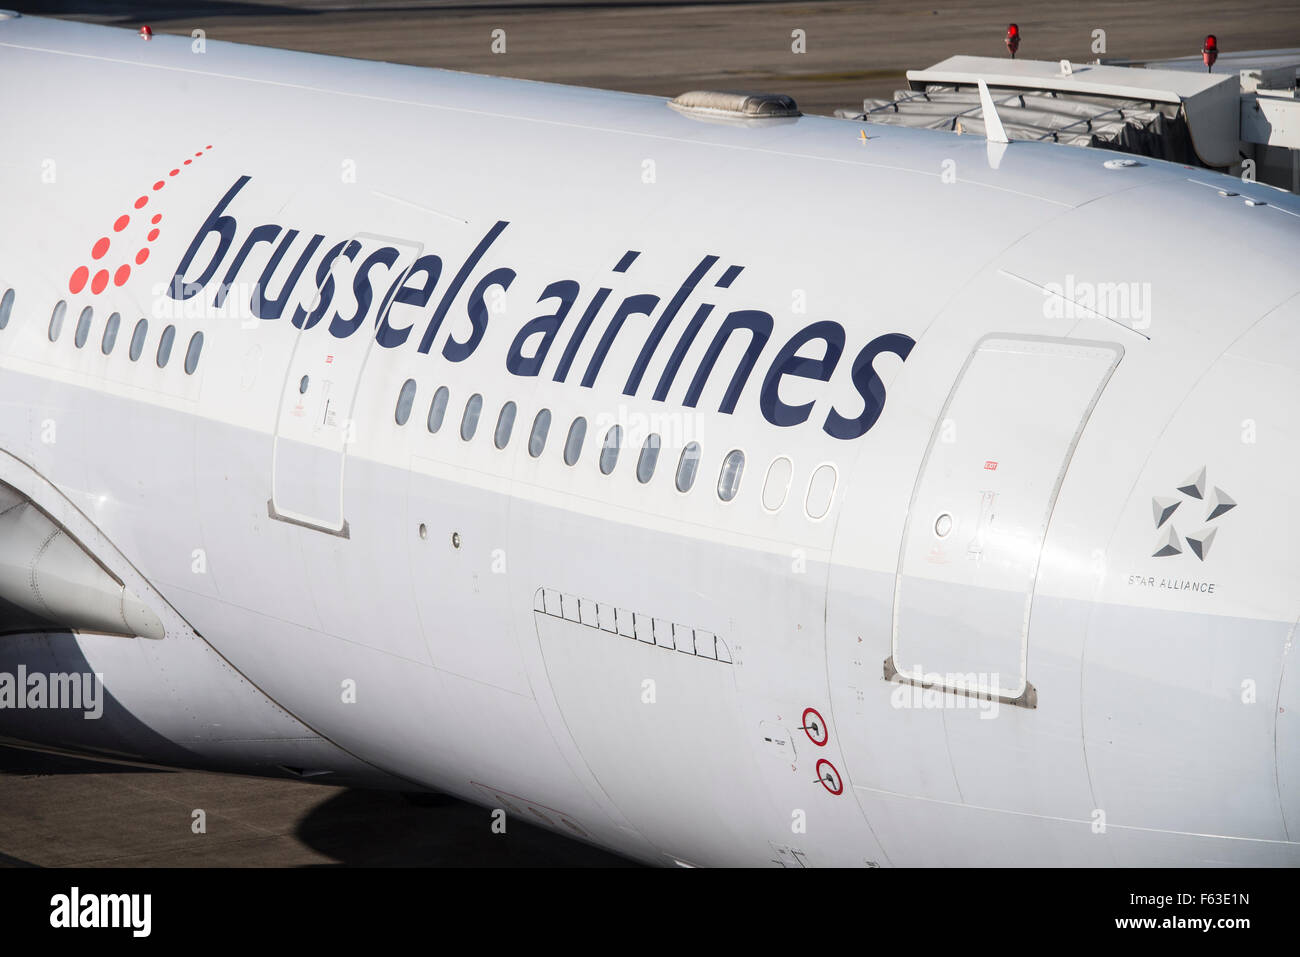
[814, 725]
[829, 777]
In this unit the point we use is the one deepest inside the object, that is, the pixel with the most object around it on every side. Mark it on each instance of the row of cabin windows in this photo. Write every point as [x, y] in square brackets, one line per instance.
[108, 339]
[687, 465]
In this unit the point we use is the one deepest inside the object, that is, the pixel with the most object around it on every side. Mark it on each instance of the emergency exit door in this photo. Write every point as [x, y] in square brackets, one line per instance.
[980, 510]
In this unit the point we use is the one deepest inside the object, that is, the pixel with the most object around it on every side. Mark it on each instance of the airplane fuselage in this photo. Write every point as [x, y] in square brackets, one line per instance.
[720, 493]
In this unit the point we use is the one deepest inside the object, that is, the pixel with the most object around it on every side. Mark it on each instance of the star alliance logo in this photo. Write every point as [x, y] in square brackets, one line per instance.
[1192, 491]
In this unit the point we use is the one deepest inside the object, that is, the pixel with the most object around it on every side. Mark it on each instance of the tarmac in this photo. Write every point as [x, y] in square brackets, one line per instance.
[63, 812]
[850, 50]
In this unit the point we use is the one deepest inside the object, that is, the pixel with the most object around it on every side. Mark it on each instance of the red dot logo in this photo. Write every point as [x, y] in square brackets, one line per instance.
[81, 274]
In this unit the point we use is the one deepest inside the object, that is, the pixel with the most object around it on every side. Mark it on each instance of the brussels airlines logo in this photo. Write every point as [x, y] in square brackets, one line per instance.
[100, 260]
[358, 284]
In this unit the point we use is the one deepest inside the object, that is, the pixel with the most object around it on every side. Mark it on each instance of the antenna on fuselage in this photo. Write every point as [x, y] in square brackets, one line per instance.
[993, 129]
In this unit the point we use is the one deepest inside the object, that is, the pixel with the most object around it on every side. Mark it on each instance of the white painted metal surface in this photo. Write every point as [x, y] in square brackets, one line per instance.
[1093, 78]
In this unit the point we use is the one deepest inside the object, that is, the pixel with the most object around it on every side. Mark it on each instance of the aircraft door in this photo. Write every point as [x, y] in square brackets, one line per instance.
[980, 510]
[314, 419]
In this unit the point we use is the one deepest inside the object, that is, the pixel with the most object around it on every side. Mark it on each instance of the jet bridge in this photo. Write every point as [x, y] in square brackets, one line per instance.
[1214, 120]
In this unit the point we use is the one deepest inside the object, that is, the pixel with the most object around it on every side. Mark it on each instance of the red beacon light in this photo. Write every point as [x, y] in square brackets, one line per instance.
[146, 32]
[1013, 39]
[1210, 52]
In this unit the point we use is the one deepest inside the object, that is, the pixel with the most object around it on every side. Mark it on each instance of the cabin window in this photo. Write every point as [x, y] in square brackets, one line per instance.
[165, 345]
[573, 444]
[687, 466]
[83, 327]
[537, 439]
[469, 421]
[437, 409]
[6, 307]
[56, 320]
[729, 477]
[137, 339]
[645, 464]
[777, 484]
[821, 489]
[609, 452]
[405, 399]
[110, 333]
[192, 353]
[505, 425]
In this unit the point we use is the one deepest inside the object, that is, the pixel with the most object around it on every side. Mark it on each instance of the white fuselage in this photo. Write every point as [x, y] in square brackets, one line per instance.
[972, 600]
